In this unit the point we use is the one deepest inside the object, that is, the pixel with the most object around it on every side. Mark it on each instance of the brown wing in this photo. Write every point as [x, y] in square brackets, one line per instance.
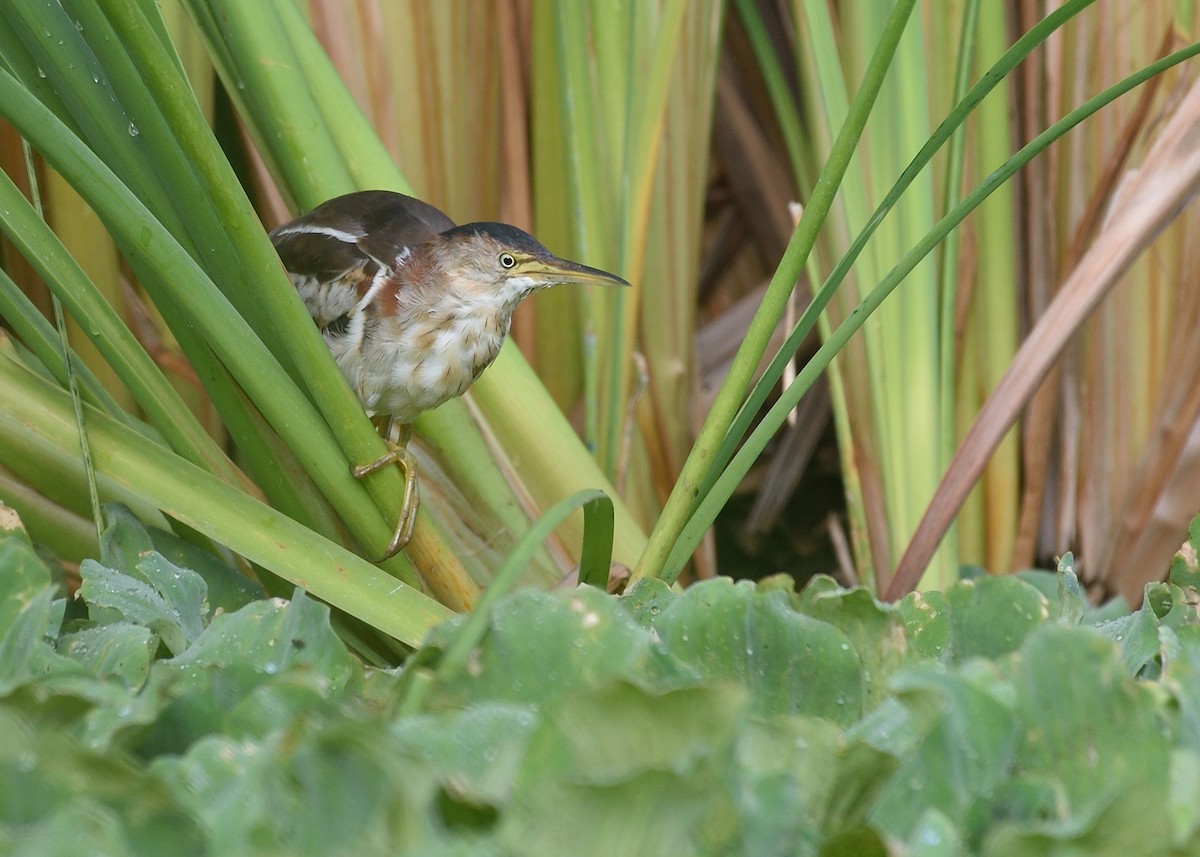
[334, 252]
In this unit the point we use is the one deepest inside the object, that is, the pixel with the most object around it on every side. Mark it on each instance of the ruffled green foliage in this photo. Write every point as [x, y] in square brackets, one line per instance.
[173, 711]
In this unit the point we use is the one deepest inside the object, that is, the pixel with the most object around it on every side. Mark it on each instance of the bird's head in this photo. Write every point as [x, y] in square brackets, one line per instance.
[501, 262]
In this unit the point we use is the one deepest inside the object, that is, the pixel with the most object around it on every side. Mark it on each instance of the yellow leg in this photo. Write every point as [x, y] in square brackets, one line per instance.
[399, 455]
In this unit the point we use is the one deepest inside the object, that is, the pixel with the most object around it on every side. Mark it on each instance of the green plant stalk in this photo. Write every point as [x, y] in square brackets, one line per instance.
[589, 195]
[73, 537]
[97, 111]
[270, 303]
[782, 100]
[685, 497]
[660, 427]
[902, 341]
[229, 516]
[85, 238]
[808, 319]
[741, 462]
[341, 115]
[828, 93]
[69, 363]
[261, 71]
[225, 234]
[948, 268]
[646, 103]
[31, 460]
[998, 306]
[16, 58]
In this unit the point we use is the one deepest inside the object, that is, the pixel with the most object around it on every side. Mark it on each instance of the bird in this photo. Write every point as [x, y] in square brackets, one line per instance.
[413, 307]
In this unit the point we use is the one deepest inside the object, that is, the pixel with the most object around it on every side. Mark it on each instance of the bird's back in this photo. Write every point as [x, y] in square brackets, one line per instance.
[334, 252]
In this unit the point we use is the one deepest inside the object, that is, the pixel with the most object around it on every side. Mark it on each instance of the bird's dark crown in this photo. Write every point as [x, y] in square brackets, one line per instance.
[510, 237]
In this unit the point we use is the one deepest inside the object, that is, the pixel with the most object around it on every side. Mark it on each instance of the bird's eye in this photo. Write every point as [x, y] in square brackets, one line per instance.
[507, 260]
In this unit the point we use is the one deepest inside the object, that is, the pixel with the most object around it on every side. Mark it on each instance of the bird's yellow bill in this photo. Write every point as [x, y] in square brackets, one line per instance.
[561, 272]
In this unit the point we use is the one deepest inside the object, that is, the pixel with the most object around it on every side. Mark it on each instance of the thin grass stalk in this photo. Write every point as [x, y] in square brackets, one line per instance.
[69, 363]
[786, 114]
[949, 261]
[996, 306]
[82, 233]
[1030, 366]
[661, 409]
[73, 537]
[901, 343]
[861, 403]
[646, 106]
[588, 195]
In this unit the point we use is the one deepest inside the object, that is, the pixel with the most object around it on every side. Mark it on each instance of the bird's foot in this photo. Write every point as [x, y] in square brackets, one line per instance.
[400, 456]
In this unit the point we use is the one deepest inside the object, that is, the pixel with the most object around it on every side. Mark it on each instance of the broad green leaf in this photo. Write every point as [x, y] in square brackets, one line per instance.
[540, 646]
[476, 753]
[305, 791]
[991, 616]
[29, 614]
[171, 604]
[618, 732]
[791, 663]
[962, 744]
[271, 637]
[227, 589]
[121, 651]
[610, 753]
[50, 786]
[1095, 732]
[876, 630]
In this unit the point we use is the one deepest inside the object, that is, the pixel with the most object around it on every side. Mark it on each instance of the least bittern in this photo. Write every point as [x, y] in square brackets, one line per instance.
[413, 307]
